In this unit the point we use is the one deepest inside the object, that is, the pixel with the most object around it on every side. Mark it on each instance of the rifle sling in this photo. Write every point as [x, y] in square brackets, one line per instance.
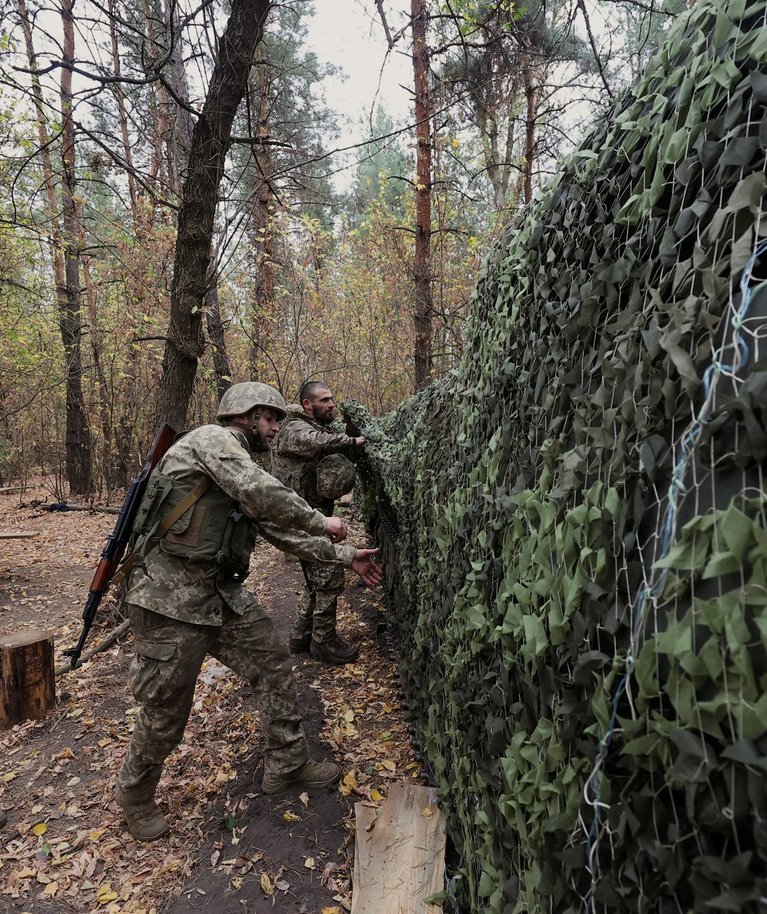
[162, 528]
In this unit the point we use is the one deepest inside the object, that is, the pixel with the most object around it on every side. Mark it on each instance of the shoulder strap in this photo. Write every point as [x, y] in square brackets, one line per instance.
[162, 528]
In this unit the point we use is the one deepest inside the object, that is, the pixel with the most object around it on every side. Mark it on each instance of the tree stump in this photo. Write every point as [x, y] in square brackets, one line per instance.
[27, 682]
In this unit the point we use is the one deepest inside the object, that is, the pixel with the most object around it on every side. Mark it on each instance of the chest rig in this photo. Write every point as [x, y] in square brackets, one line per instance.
[211, 531]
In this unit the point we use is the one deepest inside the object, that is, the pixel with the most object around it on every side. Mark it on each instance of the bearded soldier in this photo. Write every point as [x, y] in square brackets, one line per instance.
[310, 457]
[205, 503]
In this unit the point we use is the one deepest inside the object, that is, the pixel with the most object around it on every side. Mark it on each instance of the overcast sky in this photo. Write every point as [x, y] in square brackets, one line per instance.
[349, 34]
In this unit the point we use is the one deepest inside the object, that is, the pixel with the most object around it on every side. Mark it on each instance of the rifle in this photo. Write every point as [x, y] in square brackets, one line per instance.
[115, 545]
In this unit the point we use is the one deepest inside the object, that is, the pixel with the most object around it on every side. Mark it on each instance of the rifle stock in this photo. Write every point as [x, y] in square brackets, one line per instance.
[114, 547]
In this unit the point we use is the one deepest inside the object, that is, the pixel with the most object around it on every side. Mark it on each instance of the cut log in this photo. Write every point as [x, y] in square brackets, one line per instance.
[15, 536]
[6, 490]
[399, 856]
[27, 682]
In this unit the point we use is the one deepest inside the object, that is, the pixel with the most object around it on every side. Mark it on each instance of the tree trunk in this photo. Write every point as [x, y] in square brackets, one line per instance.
[210, 142]
[221, 368]
[78, 435]
[423, 306]
[263, 225]
[64, 246]
[531, 96]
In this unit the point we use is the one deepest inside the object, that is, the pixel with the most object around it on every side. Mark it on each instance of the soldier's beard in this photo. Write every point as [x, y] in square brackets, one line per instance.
[256, 441]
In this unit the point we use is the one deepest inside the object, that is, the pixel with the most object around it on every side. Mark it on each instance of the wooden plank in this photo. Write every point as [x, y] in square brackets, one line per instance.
[365, 817]
[27, 682]
[401, 859]
[15, 536]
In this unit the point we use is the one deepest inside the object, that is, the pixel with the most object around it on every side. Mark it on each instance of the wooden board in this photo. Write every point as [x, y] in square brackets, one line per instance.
[15, 536]
[399, 856]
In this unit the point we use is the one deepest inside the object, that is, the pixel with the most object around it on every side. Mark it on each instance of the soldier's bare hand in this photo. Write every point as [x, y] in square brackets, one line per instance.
[364, 566]
[335, 528]
[361, 441]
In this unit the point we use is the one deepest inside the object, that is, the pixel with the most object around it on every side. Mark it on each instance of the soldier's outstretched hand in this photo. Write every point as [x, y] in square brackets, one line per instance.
[335, 528]
[364, 566]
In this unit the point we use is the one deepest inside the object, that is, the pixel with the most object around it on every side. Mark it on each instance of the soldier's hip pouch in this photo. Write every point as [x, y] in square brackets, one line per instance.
[233, 558]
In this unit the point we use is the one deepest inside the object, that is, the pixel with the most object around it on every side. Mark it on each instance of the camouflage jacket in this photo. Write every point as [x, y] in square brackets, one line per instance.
[196, 593]
[299, 446]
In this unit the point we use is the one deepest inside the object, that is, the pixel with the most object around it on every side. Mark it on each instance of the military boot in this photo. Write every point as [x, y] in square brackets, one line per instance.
[312, 775]
[299, 645]
[145, 821]
[334, 650]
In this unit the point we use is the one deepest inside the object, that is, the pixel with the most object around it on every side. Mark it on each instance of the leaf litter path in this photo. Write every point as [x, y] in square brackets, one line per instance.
[232, 849]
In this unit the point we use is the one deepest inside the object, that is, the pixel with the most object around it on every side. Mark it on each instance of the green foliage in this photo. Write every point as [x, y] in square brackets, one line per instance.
[575, 523]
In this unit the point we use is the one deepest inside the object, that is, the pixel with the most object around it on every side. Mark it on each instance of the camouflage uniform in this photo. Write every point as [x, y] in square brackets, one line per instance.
[185, 608]
[299, 446]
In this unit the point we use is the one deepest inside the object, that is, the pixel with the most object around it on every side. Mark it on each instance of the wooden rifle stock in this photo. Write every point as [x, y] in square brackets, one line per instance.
[114, 547]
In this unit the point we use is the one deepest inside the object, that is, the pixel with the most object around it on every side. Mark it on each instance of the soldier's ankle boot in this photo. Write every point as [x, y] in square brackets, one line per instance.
[334, 650]
[145, 821]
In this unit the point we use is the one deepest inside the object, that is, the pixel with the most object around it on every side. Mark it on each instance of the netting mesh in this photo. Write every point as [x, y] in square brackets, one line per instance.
[574, 522]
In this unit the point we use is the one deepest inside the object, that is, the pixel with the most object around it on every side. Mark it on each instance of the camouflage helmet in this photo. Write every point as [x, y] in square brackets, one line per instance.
[243, 397]
[335, 476]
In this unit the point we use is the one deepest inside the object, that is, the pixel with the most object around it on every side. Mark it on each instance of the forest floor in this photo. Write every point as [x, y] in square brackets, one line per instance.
[231, 849]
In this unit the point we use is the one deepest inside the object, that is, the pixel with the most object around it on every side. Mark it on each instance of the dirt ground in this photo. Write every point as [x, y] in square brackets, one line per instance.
[232, 849]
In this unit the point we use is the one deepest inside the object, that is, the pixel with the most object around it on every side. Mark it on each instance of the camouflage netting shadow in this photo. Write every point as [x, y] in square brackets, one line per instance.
[576, 518]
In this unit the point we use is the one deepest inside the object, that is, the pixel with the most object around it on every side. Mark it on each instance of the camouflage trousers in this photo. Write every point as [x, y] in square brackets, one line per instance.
[316, 616]
[167, 662]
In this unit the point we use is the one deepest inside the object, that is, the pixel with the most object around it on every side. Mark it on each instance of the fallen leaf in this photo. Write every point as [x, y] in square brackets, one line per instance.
[376, 797]
[349, 716]
[266, 884]
[40, 829]
[304, 798]
[389, 765]
[334, 910]
[291, 817]
[282, 885]
[427, 811]
[105, 894]
[52, 888]
[310, 864]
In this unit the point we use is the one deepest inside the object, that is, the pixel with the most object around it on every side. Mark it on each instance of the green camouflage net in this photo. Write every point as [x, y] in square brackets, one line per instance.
[574, 523]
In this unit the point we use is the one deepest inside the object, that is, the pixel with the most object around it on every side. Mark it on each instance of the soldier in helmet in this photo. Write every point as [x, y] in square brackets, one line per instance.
[205, 503]
[309, 457]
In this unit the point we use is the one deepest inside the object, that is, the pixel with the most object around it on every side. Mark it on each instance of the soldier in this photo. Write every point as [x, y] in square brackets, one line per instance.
[308, 457]
[205, 502]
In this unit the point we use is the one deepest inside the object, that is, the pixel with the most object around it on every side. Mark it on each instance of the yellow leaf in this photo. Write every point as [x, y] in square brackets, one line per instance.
[95, 833]
[291, 817]
[43, 879]
[65, 753]
[51, 888]
[26, 873]
[9, 776]
[40, 829]
[266, 884]
[427, 811]
[376, 797]
[105, 894]
[349, 716]
[334, 910]
[310, 864]
[389, 765]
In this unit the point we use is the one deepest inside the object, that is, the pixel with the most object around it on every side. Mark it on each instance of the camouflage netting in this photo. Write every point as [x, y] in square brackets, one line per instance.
[575, 520]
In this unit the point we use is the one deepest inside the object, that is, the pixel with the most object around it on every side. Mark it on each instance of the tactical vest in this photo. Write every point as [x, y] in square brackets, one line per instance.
[213, 531]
